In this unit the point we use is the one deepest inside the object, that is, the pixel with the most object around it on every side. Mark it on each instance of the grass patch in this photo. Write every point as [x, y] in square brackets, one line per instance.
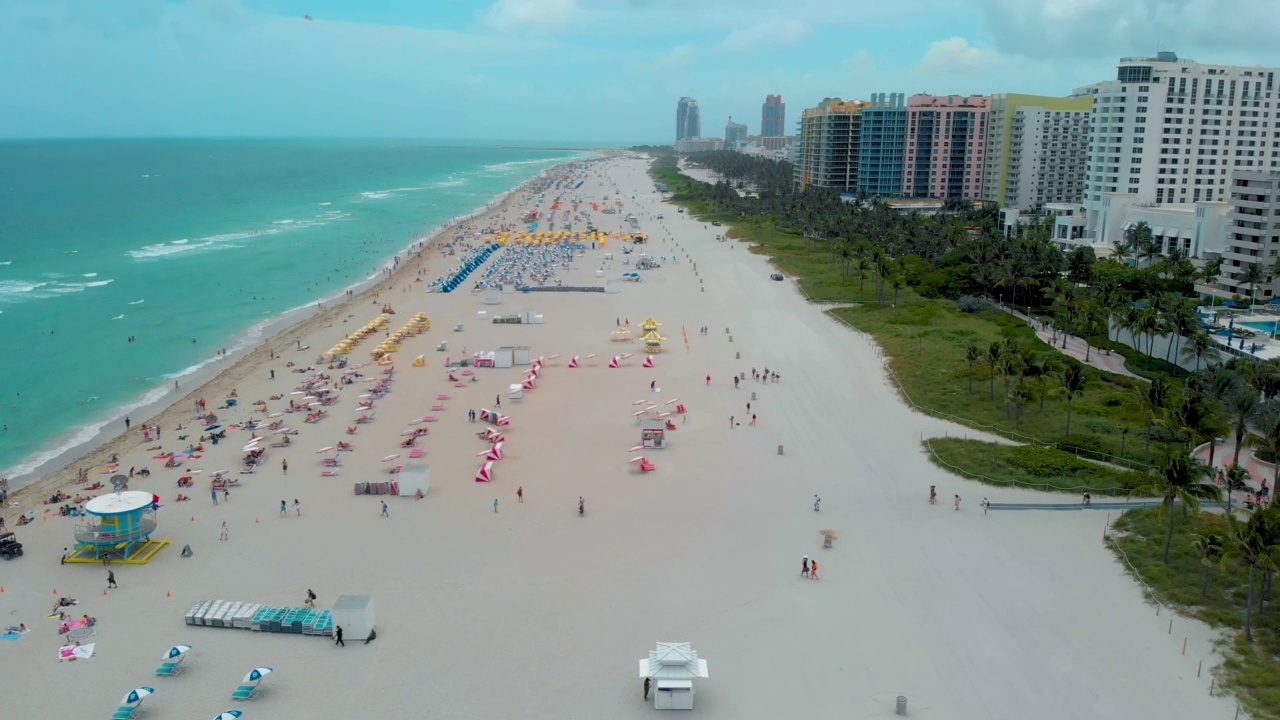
[1029, 466]
[926, 340]
[1251, 671]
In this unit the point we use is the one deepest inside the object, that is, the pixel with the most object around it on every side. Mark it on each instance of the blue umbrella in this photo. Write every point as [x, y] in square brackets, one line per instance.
[176, 651]
[228, 715]
[256, 674]
[211, 428]
[135, 696]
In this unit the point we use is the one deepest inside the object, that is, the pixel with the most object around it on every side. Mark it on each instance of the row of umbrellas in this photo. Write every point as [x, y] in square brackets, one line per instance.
[135, 696]
[344, 345]
[416, 325]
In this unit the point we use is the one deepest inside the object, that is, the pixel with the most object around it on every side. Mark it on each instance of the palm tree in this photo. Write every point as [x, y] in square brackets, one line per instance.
[1243, 407]
[993, 358]
[1210, 273]
[1153, 399]
[1252, 543]
[1021, 395]
[1140, 239]
[972, 356]
[1210, 547]
[1073, 382]
[1253, 276]
[1235, 479]
[1268, 437]
[1178, 478]
[1200, 347]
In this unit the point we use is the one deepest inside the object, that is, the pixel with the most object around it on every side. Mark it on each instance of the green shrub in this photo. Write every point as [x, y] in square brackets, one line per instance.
[1044, 462]
[1088, 408]
[1084, 446]
[1101, 427]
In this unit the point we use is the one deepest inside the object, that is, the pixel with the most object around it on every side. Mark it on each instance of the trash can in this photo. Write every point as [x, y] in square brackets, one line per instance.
[902, 705]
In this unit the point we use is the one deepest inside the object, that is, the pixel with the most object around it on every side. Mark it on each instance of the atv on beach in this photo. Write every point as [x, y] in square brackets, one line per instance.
[10, 548]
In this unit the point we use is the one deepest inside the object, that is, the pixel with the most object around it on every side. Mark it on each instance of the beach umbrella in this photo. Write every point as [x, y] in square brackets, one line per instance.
[228, 715]
[638, 459]
[298, 392]
[176, 651]
[250, 447]
[256, 674]
[276, 415]
[324, 450]
[135, 696]
[211, 428]
[389, 458]
[637, 448]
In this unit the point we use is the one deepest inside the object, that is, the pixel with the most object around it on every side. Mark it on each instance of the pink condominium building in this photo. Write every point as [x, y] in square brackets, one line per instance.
[945, 145]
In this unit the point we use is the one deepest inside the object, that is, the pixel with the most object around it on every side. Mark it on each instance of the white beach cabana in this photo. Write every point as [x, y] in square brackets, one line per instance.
[673, 668]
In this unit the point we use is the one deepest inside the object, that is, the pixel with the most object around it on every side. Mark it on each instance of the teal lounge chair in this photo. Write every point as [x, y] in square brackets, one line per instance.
[126, 713]
[169, 668]
[245, 692]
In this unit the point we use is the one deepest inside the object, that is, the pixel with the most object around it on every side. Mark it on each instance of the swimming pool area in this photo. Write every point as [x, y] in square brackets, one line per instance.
[1266, 326]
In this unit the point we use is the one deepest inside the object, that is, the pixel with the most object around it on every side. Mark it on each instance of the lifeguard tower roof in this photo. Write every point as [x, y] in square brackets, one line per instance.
[117, 503]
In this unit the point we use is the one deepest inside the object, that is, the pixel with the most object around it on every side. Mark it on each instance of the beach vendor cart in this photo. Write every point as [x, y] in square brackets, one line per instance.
[672, 668]
[653, 434]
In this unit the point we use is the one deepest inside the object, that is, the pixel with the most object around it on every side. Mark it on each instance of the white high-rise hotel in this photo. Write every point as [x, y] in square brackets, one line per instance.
[1170, 132]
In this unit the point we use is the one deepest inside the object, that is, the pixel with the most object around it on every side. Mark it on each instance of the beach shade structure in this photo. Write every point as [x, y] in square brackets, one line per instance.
[648, 361]
[485, 473]
[528, 384]
[573, 362]
[255, 675]
[502, 421]
[486, 415]
[615, 362]
[134, 697]
[494, 452]
[228, 715]
[672, 667]
[176, 651]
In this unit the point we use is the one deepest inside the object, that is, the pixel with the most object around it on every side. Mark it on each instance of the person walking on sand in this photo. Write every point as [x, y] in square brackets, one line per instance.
[495, 504]
[384, 510]
[730, 422]
[957, 502]
[284, 466]
[225, 534]
[933, 494]
[813, 570]
[297, 507]
[65, 553]
[497, 401]
[708, 380]
[817, 503]
[284, 509]
[213, 493]
[520, 494]
[753, 419]
[647, 684]
[111, 579]
[986, 505]
[582, 506]
[804, 567]
[337, 636]
[311, 598]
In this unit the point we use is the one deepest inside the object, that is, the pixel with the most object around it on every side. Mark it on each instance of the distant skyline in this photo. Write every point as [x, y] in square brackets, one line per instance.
[558, 70]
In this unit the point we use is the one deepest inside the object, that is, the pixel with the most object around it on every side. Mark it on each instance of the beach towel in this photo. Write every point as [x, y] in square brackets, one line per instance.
[71, 652]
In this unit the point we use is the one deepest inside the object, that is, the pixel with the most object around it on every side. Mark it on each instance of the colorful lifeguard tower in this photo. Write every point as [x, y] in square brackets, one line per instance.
[653, 342]
[650, 325]
[118, 529]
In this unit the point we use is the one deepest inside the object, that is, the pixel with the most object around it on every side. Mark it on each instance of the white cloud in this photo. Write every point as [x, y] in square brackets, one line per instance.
[523, 15]
[955, 56]
[861, 64]
[771, 33]
[677, 58]
[1083, 28]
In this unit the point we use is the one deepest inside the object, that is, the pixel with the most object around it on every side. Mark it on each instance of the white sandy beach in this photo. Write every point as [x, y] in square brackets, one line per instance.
[533, 612]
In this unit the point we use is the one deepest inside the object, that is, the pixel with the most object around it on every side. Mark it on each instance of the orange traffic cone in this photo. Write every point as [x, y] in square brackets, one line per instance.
[104, 593]
[193, 518]
[255, 521]
[55, 591]
[168, 594]
[1, 588]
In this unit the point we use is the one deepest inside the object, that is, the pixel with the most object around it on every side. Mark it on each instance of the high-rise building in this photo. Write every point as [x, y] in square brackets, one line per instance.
[1037, 150]
[773, 117]
[882, 147]
[1203, 121]
[688, 119]
[1250, 237]
[827, 149]
[946, 146]
[735, 134]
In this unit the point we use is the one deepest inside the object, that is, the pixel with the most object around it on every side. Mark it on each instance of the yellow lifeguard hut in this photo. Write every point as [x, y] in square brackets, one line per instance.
[650, 325]
[653, 342]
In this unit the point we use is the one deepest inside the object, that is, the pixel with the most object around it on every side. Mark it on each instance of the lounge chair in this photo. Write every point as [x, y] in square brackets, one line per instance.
[169, 668]
[245, 692]
[126, 712]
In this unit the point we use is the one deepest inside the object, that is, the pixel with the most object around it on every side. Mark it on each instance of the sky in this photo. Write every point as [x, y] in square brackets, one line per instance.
[594, 71]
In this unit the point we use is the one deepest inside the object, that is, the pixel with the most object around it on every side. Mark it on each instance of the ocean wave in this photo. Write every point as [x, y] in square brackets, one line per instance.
[210, 242]
[90, 275]
[326, 203]
[82, 434]
[520, 163]
[17, 288]
[138, 302]
[284, 222]
[6, 262]
[60, 288]
[376, 195]
[118, 317]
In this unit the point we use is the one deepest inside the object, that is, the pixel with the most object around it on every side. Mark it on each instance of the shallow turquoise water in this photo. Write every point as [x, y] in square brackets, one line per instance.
[170, 240]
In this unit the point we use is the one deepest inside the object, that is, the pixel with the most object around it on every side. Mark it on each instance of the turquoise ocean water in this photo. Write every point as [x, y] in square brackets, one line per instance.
[170, 240]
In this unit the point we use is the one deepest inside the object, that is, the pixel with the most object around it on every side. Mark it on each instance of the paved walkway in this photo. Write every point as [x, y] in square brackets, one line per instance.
[1077, 349]
[1260, 473]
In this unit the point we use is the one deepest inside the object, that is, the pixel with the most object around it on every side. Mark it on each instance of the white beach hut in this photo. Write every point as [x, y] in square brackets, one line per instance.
[673, 667]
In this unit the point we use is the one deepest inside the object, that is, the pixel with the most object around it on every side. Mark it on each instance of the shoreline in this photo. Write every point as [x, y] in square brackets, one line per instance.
[90, 445]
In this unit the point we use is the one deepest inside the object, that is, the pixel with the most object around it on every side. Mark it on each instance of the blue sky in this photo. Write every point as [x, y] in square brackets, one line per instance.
[559, 70]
